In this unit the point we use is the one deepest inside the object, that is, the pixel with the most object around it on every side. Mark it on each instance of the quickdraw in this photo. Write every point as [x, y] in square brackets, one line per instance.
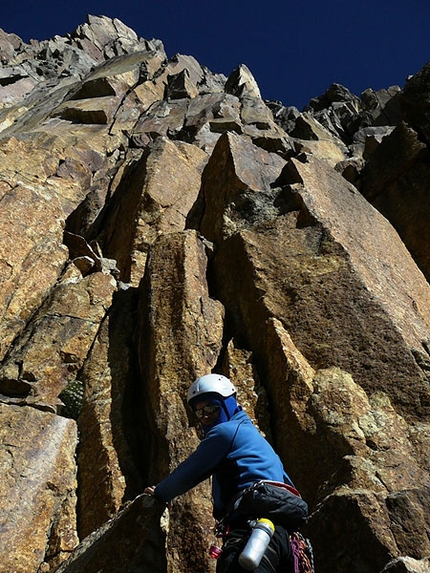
[222, 528]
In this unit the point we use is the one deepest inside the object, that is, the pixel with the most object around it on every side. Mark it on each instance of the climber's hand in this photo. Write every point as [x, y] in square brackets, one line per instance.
[149, 490]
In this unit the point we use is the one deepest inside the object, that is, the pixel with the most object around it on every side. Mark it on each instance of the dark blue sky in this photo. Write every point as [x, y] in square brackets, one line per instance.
[295, 49]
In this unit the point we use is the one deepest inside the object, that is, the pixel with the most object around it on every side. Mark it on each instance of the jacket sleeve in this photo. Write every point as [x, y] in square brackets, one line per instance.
[200, 465]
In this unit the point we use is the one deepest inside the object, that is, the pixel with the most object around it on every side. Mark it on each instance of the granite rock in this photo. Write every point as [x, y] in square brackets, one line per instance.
[159, 221]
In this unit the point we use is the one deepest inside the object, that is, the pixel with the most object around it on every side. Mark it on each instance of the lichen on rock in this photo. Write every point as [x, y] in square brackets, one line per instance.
[160, 221]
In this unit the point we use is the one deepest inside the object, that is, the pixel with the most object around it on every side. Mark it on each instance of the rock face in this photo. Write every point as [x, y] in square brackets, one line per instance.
[158, 222]
[38, 488]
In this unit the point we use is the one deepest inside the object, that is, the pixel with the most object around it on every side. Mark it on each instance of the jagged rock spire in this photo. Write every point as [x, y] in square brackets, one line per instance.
[160, 221]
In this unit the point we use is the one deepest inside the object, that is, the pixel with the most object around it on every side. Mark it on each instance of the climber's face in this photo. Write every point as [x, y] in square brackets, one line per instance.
[207, 412]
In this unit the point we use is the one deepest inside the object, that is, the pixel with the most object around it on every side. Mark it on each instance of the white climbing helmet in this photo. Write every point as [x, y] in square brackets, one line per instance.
[211, 383]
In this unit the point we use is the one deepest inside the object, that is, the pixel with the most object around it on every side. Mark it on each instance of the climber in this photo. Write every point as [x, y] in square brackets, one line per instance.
[235, 453]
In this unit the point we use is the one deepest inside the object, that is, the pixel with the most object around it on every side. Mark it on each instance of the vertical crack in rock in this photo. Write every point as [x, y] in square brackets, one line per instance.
[158, 222]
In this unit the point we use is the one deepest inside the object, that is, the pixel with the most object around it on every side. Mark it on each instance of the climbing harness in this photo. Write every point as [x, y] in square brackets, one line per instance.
[276, 501]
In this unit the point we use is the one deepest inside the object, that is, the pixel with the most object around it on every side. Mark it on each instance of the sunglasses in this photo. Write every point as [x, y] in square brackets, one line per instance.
[206, 410]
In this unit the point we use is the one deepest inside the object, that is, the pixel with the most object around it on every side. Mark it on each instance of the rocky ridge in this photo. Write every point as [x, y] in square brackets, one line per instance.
[160, 221]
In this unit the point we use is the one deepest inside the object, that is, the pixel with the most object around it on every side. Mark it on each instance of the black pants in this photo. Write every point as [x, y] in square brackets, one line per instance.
[277, 559]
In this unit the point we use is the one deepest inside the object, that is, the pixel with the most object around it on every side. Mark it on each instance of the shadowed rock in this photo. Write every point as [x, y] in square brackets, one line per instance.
[130, 542]
[159, 221]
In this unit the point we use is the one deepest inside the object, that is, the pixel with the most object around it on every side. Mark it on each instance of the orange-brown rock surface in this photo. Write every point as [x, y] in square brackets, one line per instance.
[158, 222]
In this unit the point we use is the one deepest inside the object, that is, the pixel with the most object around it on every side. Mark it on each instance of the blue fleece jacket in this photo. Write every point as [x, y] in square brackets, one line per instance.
[235, 454]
